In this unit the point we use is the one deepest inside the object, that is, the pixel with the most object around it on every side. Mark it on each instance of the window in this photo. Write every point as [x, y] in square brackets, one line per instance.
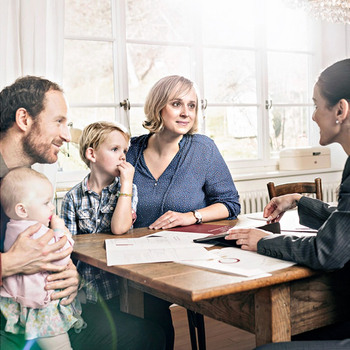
[254, 63]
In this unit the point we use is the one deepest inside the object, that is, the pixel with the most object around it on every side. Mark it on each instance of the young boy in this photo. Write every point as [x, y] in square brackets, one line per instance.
[105, 201]
[23, 299]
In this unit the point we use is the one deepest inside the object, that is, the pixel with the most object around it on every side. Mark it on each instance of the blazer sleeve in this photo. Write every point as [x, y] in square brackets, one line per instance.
[313, 212]
[329, 249]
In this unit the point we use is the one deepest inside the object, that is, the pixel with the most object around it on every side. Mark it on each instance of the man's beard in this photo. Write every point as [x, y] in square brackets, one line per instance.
[38, 152]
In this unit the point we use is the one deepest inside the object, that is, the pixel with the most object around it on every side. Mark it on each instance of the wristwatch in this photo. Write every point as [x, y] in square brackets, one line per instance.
[198, 216]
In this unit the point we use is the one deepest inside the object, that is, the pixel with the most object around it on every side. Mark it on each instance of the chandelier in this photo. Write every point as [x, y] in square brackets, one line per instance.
[329, 10]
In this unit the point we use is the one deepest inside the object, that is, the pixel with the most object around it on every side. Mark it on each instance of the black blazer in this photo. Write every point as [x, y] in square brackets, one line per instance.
[330, 248]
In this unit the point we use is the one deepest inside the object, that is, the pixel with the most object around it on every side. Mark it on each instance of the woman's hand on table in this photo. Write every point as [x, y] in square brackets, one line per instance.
[172, 219]
[247, 238]
[277, 206]
[67, 282]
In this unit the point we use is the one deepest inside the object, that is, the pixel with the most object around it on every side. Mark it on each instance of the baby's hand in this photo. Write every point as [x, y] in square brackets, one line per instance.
[57, 224]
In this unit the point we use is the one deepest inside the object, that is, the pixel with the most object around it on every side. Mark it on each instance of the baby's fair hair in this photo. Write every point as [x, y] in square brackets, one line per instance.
[16, 187]
[95, 134]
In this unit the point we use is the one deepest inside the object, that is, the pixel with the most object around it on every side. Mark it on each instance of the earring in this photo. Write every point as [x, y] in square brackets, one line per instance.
[337, 121]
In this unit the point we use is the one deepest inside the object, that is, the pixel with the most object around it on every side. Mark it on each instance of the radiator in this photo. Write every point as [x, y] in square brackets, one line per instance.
[254, 201]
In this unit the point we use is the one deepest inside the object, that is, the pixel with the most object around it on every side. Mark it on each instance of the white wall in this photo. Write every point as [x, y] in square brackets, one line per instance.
[335, 47]
[335, 42]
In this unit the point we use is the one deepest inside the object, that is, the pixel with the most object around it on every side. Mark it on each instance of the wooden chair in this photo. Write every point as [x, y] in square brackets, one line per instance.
[74, 133]
[74, 140]
[296, 187]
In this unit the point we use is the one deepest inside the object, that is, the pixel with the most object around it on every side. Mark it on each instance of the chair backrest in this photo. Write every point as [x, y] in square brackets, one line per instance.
[74, 133]
[296, 187]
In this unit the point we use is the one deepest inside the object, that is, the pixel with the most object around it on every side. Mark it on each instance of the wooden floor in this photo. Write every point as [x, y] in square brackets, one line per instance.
[219, 336]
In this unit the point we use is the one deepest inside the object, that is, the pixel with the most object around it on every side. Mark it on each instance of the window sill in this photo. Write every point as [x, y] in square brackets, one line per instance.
[280, 174]
[69, 179]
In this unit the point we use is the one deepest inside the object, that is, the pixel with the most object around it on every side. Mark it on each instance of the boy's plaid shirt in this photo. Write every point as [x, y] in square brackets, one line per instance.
[86, 212]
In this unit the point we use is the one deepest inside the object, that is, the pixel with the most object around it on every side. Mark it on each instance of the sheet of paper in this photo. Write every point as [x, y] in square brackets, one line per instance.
[143, 256]
[207, 228]
[248, 221]
[178, 238]
[163, 239]
[290, 225]
[175, 237]
[159, 247]
[240, 262]
[256, 216]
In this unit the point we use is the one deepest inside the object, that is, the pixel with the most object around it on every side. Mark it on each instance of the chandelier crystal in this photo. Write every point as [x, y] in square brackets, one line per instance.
[329, 10]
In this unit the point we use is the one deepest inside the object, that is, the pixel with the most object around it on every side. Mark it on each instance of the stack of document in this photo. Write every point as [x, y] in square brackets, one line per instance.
[179, 247]
[289, 223]
[159, 247]
[240, 262]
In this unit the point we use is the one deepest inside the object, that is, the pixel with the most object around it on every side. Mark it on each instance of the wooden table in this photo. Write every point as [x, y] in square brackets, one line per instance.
[291, 301]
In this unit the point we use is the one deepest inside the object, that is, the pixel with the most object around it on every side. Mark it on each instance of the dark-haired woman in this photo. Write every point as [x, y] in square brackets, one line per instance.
[330, 248]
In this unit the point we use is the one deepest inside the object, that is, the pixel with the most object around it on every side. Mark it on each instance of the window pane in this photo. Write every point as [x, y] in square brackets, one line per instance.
[289, 127]
[230, 76]
[88, 17]
[84, 116]
[239, 53]
[137, 116]
[228, 22]
[234, 131]
[149, 63]
[287, 28]
[69, 158]
[88, 71]
[159, 20]
[288, 78]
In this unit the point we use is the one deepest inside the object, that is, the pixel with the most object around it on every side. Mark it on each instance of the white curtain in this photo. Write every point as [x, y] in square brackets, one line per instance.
[32, 39]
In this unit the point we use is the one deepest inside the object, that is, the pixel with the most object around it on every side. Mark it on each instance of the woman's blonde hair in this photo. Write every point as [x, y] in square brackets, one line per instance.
[95, 134]
[162, 91]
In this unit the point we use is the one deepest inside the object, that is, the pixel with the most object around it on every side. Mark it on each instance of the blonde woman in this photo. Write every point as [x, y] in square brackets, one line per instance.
[182, 178]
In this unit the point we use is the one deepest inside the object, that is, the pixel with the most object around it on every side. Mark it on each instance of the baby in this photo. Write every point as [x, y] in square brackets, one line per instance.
[26, 197]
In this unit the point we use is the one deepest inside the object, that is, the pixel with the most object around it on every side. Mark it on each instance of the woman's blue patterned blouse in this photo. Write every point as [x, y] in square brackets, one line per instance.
[196, 178]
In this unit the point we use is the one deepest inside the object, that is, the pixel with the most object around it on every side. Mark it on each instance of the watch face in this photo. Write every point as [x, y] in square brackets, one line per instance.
[198, 216]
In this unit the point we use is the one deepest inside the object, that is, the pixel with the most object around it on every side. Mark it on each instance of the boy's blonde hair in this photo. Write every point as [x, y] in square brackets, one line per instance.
[15, 187]
[162, 91]
[95, 134]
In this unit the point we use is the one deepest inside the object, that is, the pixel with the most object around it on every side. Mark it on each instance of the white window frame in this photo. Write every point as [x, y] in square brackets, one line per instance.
[118, 38]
